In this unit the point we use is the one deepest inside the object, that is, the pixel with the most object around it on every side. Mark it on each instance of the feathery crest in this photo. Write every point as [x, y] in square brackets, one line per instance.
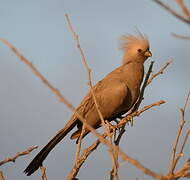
[129, 41]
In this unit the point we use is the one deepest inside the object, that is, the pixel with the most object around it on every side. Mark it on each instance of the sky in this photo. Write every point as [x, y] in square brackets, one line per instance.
[30, 114]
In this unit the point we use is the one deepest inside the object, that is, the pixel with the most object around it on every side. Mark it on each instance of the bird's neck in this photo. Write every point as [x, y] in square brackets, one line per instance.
[128, 58]
[133, 73]
[134, 70]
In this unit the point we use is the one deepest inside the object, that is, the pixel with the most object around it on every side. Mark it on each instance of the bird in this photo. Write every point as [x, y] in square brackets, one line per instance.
[116, 93]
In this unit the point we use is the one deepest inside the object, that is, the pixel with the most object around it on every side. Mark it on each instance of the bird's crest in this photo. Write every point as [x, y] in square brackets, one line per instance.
[129, 41]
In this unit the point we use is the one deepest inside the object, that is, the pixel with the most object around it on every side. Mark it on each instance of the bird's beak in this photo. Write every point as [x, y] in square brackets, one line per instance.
[148, 54]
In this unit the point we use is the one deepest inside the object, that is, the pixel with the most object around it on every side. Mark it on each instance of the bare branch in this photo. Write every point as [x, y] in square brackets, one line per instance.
[38, 74]
[184, 9]
[186, 102]
[159, 72]
[128, 118]
[137, 113]
[171, 11]
[1, 175]
[74, 171]
[180, 36]
[174, 160]
[18, 154]
[183, 145]
[145, 108]
[43, 172]
[182, 172]
[180, 154]
[76, 38]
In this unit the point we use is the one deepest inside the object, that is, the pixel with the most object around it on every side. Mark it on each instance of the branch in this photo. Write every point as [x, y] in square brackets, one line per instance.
[1, 175]
[161, 71]
[43, 172]
[128, 118]
[18, 154]
[74, 171]
[182, 172]
[174, 160]
[137, 113]
[171, 11]
[183, 7]
[180, 154]
[180, 36]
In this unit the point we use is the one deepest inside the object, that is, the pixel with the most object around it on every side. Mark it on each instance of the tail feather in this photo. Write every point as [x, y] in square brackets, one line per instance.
[40, 157]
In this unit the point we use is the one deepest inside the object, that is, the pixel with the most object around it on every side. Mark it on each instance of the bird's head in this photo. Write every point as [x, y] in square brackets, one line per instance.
[135, 47]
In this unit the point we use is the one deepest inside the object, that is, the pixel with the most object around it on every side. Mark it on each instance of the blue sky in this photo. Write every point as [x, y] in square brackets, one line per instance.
[31, 114]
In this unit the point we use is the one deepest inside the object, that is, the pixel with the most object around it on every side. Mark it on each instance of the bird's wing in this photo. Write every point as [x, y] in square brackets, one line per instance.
[110, 95]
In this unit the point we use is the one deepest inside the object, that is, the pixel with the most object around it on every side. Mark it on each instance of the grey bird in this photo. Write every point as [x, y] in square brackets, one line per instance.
[116, 94]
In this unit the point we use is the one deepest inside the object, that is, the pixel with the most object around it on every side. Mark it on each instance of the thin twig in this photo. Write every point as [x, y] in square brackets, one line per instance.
[186, 101]
[83, 120]
[76, 38]
[43, 172]
[182, 172]
[174, 161]
[180, 36]
[159, 72]
[171, 11]
[117, 140]
[18, 154]
[137, 113]
[145, 108]
[180, 154]
[183, 145]
[74, 171]
[184, 8]
[1, 175]
[174, 148]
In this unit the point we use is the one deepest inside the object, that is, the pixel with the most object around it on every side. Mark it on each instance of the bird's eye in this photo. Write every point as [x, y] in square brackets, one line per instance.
[139, 50]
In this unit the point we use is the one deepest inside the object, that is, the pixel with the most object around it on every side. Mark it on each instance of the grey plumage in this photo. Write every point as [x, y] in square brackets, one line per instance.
[116, 93]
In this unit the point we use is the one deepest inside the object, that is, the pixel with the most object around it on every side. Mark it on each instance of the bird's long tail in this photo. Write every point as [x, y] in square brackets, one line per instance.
[40, 157]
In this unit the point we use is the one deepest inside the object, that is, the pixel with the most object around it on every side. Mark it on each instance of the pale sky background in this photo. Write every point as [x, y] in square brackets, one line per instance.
[31, 115]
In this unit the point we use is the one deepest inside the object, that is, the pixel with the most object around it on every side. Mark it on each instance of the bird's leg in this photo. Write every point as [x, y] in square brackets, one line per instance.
[110, 127]
[131, 121]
